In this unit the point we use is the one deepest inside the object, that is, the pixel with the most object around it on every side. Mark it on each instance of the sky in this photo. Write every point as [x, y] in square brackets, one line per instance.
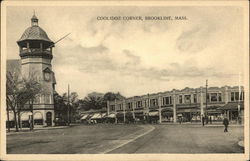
[137, 57]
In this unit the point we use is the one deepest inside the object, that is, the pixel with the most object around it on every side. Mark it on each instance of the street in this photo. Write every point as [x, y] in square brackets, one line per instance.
[110, 138]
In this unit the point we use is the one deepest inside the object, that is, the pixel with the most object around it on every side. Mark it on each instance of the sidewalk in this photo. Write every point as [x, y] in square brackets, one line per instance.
[36, 129]
[214, 124]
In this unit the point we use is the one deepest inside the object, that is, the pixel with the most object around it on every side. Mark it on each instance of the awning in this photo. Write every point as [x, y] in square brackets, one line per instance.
[153, 113]
[232, 106]
[25, 116]
[112, 115]
[38, 116]
[139, 114]
[120, 115]
[104, 114]
[84, 117]
[187, 110]
[96, 116]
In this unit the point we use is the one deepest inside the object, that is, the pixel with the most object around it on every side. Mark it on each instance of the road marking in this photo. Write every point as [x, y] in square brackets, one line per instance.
[129, 140]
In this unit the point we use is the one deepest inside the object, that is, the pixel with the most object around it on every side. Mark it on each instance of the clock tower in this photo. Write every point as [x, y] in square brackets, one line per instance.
[35, 50]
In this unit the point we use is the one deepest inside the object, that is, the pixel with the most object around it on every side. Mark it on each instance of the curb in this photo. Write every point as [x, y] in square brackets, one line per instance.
[37, 130]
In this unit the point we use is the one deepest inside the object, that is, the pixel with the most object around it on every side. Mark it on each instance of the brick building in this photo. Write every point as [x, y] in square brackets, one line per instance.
[189, 104]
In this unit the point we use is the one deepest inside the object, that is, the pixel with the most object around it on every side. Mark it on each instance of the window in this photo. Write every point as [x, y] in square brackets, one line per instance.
[242, 96]
[112, 107]
[167, 100]
[219, 97]
[232, 96]
[195, 98]
[37, 99]
[187, 98]
[120, 106]
[236, 95]
[139, 104]
[153, 102]
[180, 98]
[47, 99]
[208, 100]
[213, 97]
[129, 105]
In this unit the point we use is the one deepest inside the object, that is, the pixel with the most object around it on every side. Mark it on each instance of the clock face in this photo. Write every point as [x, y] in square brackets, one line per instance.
[47, 76]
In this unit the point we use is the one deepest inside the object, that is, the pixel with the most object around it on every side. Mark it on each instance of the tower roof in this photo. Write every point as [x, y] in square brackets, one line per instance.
[34, 33]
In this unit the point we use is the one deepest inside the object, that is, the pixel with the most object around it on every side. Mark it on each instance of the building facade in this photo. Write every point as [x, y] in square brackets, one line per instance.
[187, 105]
[35, 51]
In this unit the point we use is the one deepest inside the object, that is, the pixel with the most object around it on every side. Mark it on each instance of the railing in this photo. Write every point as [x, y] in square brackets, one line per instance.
[35, 51]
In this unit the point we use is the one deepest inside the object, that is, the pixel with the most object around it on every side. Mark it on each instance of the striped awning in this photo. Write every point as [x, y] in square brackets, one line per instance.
[153, 113]
[104, 115]
[84, 117]
[96, 116]
[112, 115]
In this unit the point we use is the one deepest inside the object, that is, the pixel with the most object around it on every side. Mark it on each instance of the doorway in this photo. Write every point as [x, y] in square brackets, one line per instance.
[49, 118]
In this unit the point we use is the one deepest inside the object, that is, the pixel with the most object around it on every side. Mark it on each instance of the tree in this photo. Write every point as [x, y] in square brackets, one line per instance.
[97, 101]
[110, 96]
[92, 101]
[19, 91]
[31, 90]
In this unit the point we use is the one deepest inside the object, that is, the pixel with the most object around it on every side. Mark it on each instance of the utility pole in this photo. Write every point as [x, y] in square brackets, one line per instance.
[68, 107]
[238, 119]
[206, 95]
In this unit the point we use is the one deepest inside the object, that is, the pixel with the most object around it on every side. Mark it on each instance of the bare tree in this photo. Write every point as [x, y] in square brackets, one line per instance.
[13, 87]
[20, 91]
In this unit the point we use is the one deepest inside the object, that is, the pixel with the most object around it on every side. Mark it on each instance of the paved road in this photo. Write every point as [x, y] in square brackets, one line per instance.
[186, 139]
[81, 139]
[127, 139]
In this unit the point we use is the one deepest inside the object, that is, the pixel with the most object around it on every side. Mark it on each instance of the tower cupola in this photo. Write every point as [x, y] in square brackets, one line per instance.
[35, 41]
[34, 21]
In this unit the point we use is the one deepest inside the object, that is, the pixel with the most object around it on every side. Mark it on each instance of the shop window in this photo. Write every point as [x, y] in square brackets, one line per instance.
[213, 97]
[38, 122]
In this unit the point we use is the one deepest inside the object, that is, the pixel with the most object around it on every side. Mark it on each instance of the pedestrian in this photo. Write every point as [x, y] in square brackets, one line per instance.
[206, 118]
[202, 120]
[225, 123]
[180, 120]
[210, 119]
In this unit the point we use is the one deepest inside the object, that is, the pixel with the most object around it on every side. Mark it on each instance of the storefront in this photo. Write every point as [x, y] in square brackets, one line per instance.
[234, 111]
[189, 115]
